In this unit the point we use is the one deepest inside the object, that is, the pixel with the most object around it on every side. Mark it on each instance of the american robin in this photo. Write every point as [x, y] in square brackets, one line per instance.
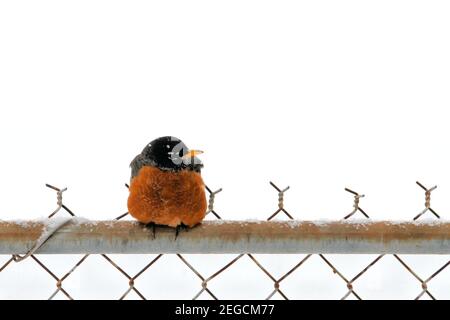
[166, 187]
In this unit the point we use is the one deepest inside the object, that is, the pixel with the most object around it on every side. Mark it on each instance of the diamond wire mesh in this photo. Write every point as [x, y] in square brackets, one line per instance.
[205, 280]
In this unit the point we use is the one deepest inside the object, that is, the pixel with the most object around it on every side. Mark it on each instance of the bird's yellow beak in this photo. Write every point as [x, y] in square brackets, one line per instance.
[192, 153]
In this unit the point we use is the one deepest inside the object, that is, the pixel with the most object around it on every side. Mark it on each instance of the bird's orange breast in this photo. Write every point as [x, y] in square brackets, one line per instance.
[167, 198]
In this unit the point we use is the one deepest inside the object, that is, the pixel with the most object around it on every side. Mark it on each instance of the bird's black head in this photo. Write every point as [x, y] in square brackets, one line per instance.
[169, 154]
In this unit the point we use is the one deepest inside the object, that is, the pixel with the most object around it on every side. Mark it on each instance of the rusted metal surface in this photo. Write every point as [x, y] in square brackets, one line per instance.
[359, 237]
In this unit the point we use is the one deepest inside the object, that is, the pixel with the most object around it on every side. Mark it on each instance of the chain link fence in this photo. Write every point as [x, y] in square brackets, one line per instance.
[185, 276]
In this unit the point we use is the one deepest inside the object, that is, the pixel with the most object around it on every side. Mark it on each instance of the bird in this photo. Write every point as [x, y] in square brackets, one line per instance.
[166, 187]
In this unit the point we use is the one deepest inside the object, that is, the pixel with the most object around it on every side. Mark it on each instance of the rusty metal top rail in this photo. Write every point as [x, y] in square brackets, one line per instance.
[295, 236]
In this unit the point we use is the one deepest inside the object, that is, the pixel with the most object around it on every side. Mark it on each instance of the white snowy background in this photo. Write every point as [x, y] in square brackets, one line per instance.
[318, 95]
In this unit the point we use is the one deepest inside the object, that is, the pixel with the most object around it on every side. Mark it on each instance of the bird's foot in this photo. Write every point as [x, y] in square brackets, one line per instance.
[179, 227]
[152, 225]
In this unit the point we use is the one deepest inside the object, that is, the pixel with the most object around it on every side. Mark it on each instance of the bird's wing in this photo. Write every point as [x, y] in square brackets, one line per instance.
[137, 163]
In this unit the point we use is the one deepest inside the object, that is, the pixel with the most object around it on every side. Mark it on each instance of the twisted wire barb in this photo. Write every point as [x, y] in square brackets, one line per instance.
[280, 202]
[427, 201]
[356, 206]
[59, 198]
[212, 196]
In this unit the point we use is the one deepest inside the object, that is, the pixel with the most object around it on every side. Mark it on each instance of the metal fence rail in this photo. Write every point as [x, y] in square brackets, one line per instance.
[56, 235]
[211, 237]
